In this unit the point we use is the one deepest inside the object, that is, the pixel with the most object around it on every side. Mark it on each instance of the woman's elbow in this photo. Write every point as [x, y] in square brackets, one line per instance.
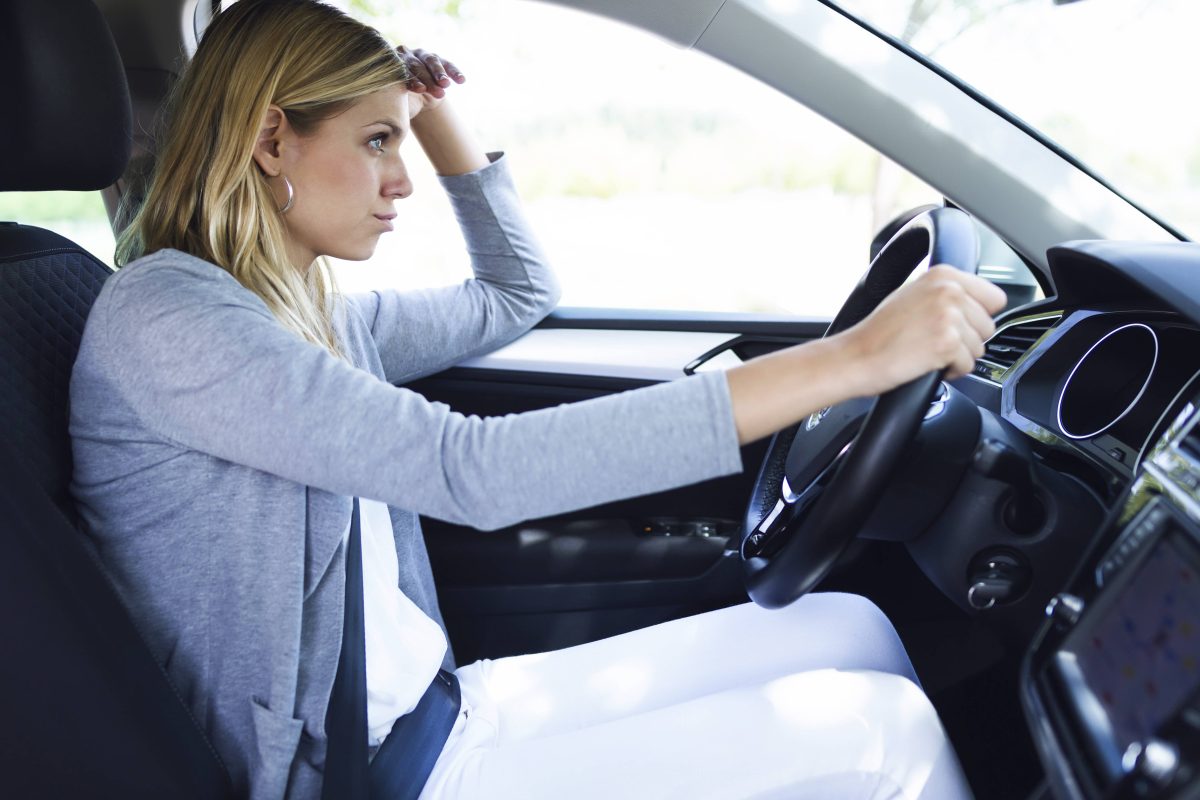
[483, 518]
[489, 523]
[549, 296]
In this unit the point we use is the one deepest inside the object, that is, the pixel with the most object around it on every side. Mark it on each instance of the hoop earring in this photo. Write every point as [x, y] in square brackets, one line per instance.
[291, 198]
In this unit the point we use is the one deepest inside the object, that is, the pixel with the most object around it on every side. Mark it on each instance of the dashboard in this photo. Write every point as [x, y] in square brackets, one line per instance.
[1101, 383]
[1103, 380]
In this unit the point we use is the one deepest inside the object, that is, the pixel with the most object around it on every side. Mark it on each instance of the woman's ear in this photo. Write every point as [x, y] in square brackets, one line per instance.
[273, 135]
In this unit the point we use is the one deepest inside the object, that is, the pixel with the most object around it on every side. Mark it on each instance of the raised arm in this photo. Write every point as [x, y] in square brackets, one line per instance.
[448, 143]
[422, 332]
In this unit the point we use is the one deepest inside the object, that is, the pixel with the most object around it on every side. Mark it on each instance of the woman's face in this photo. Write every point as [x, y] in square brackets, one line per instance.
[346, 177]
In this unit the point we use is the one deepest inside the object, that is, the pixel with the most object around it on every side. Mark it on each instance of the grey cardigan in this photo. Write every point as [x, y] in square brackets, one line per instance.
[216, 454]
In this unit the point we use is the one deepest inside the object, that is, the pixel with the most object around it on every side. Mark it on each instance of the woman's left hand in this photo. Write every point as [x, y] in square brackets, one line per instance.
[431, 76]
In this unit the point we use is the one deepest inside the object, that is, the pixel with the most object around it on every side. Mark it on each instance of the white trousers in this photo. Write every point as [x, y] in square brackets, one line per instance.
[817, 700]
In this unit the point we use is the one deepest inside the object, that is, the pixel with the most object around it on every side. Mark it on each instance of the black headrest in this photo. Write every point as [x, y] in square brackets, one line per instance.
[63, 98]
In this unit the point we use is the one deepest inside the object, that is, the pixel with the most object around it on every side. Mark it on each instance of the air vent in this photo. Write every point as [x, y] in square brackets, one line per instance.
[1014, 340]
[1190, 443]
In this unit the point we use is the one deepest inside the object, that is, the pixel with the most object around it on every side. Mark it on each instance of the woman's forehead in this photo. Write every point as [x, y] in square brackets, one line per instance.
[391, 101]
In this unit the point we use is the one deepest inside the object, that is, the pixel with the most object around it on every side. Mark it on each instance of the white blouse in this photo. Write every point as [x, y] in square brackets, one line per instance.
[405, 646]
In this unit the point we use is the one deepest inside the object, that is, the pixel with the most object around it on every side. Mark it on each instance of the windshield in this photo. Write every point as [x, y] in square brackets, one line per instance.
[1108, 80]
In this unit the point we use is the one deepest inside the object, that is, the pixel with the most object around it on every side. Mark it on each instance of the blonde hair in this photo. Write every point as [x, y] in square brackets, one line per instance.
[208, 196]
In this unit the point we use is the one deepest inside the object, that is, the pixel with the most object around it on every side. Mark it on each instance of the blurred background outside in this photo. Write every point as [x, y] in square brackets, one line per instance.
[659, 178]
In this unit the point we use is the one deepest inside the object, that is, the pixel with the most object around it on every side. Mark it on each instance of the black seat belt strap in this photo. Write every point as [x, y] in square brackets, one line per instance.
[407, 756]
[346, 716]
[405, 759]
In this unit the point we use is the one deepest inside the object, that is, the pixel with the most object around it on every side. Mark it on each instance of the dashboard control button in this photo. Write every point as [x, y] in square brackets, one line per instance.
[1105, 573]
[1064, 609]
[1156, 761]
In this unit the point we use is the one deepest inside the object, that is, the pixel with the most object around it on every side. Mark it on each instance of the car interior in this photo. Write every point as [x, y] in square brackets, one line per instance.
[1034, 534]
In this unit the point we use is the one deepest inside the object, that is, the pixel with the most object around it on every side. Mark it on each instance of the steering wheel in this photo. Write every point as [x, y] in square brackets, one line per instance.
[820, 478]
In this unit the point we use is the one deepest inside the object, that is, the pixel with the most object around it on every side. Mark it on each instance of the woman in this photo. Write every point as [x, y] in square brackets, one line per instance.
[228, 404]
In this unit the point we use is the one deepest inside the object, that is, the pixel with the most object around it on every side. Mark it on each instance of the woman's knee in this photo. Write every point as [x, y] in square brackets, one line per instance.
[862, 723]
[851, 613]
[860, 631]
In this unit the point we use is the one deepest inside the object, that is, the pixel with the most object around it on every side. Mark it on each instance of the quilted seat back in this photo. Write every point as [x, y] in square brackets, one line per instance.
[47, 286]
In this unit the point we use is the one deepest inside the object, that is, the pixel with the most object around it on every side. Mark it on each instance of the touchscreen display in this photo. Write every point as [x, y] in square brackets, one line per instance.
[1139, 657]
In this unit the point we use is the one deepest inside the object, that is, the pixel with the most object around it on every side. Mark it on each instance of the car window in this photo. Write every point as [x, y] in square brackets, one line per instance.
[79, 216]
[656, 177]
[691, 188]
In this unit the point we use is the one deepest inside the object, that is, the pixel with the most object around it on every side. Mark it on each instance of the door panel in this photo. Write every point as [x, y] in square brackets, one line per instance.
[555, 582]
[496, 621]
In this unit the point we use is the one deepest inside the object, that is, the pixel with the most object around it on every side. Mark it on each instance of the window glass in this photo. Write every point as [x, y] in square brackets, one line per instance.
[1106, 79]
[656, 177]
[1001, 265]
[79, 216]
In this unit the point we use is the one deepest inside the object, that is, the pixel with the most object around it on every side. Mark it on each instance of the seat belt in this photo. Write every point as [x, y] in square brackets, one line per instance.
[346, 715]
[406, 758]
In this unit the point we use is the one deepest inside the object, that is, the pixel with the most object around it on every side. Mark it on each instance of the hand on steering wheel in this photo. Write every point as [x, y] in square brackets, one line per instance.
[921, 327]
[817, 483]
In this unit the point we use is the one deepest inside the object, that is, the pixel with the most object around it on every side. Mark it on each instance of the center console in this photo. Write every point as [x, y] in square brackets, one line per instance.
[1112, 682]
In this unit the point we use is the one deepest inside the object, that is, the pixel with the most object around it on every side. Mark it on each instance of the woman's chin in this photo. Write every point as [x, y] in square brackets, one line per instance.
[361, 252]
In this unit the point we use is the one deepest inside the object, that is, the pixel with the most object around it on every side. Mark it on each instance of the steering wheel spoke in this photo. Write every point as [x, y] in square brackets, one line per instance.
[755, 545]
[772, 531]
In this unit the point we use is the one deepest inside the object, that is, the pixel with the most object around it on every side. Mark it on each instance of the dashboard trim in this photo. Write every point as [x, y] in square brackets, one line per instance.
[1165, 434]
[1000, 373]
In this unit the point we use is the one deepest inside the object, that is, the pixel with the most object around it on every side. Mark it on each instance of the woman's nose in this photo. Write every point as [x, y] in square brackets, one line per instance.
[398, 183]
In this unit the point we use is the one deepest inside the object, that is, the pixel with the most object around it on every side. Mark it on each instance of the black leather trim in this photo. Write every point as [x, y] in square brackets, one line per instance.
[87, 711]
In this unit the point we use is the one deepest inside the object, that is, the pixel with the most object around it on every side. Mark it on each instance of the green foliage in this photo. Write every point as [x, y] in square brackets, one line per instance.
[619, 150]
[961, 14]
[41, 207]
[1193, 166]
[371, 11]
[393, 18]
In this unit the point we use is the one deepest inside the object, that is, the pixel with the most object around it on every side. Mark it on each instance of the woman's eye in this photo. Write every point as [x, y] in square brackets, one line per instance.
[376, 142]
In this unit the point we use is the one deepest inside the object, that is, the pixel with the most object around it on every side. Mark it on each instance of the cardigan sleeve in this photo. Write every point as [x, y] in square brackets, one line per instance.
[205, 366]
[422, 332]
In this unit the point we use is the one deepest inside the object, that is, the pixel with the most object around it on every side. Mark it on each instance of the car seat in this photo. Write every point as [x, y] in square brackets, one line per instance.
[85, 710]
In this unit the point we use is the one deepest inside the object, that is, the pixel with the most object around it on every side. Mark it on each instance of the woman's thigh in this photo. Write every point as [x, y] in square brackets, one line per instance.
[676, 661]
[822, 734]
